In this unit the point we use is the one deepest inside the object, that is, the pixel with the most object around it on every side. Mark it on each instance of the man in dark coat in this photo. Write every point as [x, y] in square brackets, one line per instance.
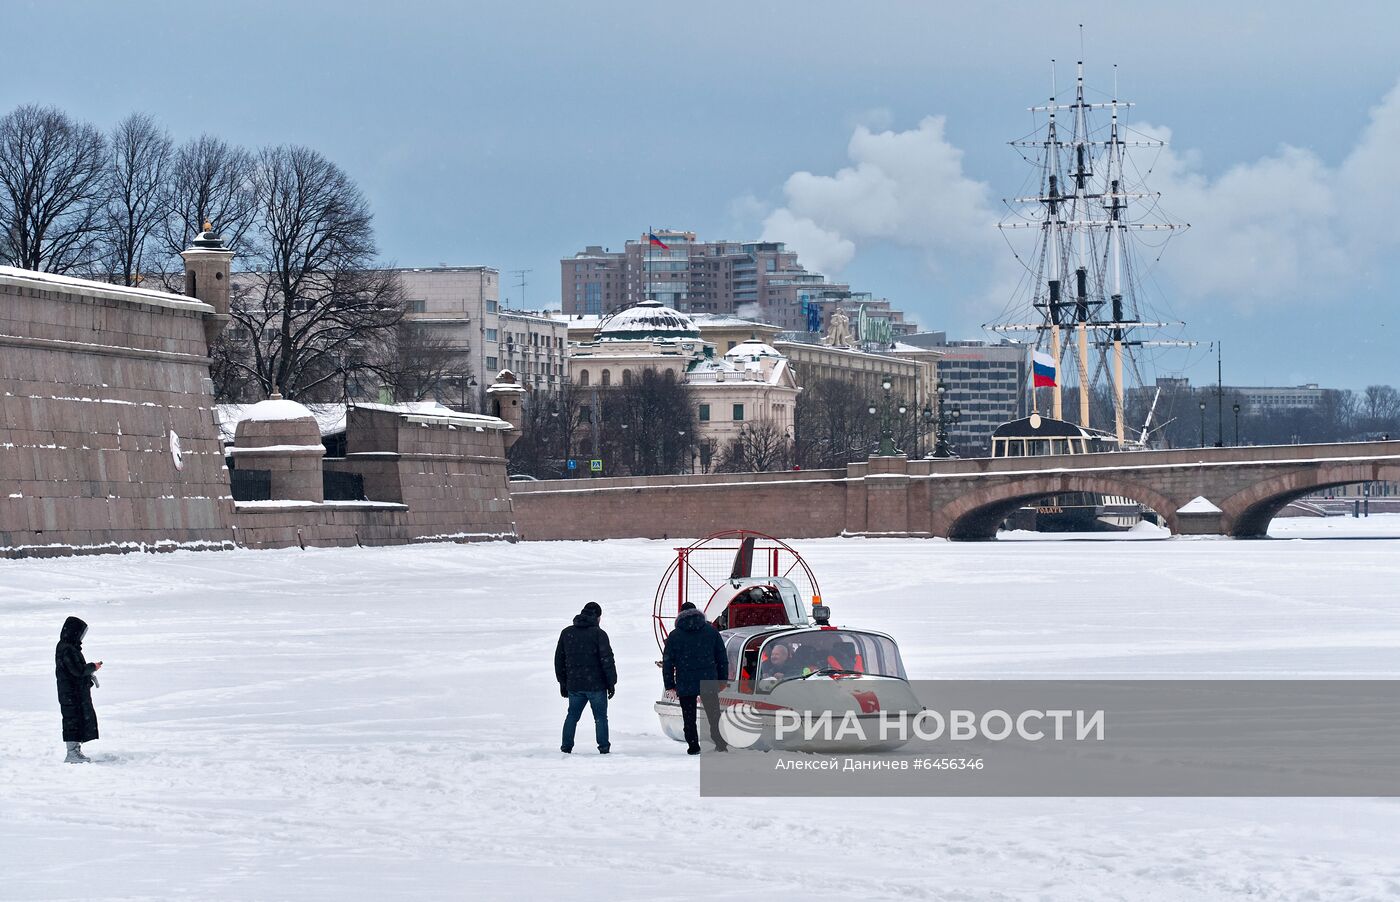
[75, 681]
[587, 674]
[694, 654]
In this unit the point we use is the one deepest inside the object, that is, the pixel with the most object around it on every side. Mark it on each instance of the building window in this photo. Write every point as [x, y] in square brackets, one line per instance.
[491, 334]
[490, 363]
[607, 377]
[492, 306]
[704, 413]
[738, 412]
[626, 377]
[417, 306]
[583, 378]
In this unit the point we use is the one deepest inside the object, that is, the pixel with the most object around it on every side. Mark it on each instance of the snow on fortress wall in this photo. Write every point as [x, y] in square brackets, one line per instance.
[107, 433]
[430, 478]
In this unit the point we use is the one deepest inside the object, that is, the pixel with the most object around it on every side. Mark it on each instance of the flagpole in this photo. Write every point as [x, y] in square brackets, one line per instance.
[1035, 396]
[648, 276]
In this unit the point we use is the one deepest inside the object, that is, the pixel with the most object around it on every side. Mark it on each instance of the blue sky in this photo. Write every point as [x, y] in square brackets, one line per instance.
[514, 134]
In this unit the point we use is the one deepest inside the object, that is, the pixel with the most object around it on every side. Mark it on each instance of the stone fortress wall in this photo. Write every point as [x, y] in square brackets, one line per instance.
[430, 478]
[109, 439]
[107, 432]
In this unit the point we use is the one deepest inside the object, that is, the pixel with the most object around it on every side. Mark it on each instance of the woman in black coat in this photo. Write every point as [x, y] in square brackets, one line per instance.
[75, 682]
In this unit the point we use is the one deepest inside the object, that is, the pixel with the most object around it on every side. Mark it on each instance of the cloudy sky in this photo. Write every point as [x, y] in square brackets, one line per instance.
[871, 136]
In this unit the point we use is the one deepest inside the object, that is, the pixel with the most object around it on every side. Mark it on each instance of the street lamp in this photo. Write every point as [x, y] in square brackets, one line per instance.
[946, 418]
[923, 434]
[887, 448]
[1203, 424]
[470, 382]
[1237, 424]
[554, 424]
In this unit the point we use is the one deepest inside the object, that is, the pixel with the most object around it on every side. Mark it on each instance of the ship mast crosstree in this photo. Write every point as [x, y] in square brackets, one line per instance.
[1083, 262]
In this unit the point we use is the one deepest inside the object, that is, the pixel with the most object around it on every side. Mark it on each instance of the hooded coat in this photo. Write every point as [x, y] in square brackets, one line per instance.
[694, 652]
[74, 675]
[583, 659]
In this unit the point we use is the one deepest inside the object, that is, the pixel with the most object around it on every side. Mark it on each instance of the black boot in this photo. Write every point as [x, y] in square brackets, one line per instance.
[693, 749]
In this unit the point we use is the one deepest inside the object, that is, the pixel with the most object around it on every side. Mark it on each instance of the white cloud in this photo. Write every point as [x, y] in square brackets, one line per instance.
[818, 249]
[905, 187]
[1285, 228]
[1257, 231]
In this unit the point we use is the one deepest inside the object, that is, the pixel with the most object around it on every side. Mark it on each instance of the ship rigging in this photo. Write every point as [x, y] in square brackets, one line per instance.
[1089, 216]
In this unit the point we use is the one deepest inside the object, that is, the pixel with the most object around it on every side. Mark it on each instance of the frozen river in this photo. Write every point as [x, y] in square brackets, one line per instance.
[377, 723]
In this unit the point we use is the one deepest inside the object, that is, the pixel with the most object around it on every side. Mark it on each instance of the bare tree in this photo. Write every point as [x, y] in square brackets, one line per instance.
[547, 434]
[425, 366]
[759, 447]
[833, 425]
[138, 166]
[233, 383]
[317, 314]
[209, 180]
[645, 427]
[52, 189]
[1381, 404]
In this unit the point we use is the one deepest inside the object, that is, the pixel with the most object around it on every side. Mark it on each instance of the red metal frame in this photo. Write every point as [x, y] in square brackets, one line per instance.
[688, 579]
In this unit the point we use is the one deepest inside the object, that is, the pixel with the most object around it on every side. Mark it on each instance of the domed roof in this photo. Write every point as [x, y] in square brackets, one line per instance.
[649, 319]
[752, 349]
[278, 408]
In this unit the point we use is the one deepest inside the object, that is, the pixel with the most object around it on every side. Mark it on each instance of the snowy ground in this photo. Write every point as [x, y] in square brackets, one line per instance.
[383, 723]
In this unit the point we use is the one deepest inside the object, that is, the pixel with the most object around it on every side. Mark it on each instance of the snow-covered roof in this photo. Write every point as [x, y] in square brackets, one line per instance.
[47, 281]
[752, 349]
[900, 347]
[725, 320]
[272, 410]
[579, 320]
[739, 370]
[649, 319]
[330, 418]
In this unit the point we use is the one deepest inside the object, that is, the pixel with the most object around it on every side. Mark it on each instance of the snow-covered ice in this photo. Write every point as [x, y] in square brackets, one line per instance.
[383, 723]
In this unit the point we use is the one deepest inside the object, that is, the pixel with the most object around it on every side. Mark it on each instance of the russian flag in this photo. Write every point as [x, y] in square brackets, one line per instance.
[657, 242]
[1042, 369]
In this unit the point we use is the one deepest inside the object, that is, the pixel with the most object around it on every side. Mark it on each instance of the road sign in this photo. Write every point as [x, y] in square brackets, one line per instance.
[572, 464]
[596, 465]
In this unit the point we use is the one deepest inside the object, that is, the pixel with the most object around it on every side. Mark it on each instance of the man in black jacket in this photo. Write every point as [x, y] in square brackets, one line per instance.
[694, 653]
[75, 681]
[583, 664]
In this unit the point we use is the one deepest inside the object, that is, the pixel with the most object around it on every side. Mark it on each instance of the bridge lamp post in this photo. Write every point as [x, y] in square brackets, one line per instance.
[1203, 424]
[928, 426]
[1237, 424]
[887, 448]
[946, 418]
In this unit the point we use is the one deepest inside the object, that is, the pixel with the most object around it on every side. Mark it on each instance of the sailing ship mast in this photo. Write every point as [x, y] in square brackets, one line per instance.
[1084, 228]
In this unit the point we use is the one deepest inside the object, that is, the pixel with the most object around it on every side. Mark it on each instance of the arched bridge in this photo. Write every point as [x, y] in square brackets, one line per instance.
[958, 499]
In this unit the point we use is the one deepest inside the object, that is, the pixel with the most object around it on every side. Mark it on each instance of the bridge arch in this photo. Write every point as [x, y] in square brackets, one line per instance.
[1249, 511]
[978, 514]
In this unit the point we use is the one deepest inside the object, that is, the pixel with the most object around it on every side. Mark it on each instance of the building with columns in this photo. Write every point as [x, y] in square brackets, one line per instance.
[748, 385]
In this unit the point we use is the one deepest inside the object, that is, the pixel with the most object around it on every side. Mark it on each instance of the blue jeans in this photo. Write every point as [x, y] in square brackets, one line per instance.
[598, 701]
